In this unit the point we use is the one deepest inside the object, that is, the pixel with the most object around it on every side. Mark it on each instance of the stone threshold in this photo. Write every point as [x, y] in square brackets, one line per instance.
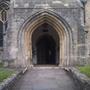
[45, 66]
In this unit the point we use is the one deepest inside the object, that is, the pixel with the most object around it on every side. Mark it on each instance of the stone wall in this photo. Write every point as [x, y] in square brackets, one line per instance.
[21, 11]
[1, 54]
[88, 30]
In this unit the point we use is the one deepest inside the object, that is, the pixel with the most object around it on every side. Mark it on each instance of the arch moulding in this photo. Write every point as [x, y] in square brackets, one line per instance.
[31, 24]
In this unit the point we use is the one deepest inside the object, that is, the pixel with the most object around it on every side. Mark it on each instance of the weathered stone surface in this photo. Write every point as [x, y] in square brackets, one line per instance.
[45, 78]
[1, 55]
[21, 15]
[87, 29]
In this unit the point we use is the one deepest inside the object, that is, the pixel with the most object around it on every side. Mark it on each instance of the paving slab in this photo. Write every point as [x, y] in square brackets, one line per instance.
[45, 79]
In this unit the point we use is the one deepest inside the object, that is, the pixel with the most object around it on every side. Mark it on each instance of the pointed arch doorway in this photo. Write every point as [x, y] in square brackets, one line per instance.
[34, 34]
[45, 42]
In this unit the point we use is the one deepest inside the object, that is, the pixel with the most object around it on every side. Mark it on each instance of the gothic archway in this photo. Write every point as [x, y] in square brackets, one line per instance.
[45, 46]
[58, 24]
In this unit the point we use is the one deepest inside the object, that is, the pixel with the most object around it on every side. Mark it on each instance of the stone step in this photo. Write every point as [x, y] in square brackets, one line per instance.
[46, 67]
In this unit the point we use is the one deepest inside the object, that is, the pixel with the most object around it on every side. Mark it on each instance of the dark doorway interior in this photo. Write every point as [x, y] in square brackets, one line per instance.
[46, 50]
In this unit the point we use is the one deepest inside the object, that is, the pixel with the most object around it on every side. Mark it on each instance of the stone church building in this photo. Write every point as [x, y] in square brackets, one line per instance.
[44, 32]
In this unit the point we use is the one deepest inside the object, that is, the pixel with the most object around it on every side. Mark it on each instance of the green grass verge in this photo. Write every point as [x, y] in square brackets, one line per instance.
[85, 70]
[5, 73]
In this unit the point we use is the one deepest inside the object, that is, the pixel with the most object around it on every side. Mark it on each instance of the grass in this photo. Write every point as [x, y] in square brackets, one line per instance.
[85, 70]
[5, 73]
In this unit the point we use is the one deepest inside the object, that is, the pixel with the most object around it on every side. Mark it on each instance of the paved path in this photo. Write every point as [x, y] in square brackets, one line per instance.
[45, 79]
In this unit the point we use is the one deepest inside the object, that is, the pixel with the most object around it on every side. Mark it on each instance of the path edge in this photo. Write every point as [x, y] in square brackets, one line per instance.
[8, 83]
[81, 80]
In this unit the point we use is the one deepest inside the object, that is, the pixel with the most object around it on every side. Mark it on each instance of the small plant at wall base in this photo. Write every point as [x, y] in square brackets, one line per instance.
[1, 64]
[85, 70]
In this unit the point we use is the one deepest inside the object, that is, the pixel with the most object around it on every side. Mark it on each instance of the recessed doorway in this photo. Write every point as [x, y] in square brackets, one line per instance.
[46, 50]
[45, 46]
